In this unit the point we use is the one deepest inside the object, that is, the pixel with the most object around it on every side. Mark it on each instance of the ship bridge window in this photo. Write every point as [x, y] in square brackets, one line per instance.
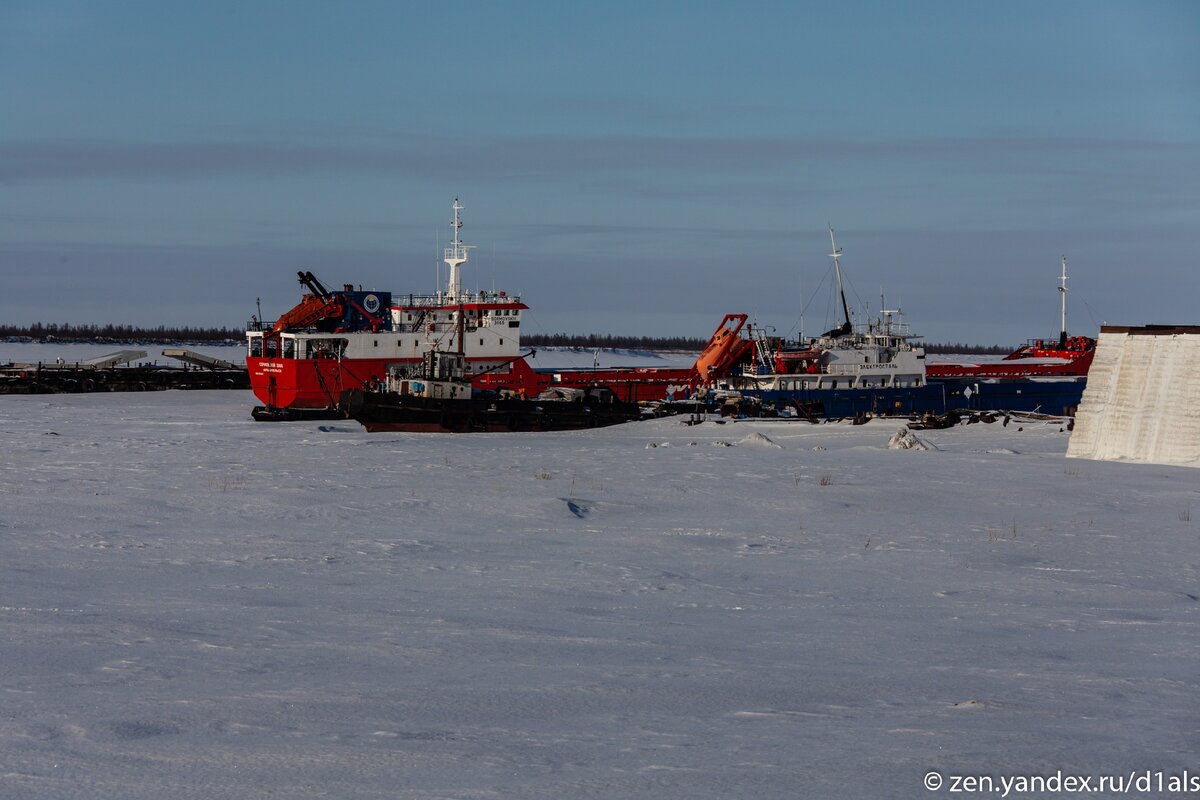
[289, 348]
[256, 348]
[327, 348]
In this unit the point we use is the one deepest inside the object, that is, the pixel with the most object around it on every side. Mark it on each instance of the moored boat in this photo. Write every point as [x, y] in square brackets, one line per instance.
[438, 398]
[336, 340]
[1043, 375]
[875, 369]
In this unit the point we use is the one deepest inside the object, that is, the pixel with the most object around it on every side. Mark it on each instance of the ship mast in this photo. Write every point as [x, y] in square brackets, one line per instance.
[846, 327]
[455, 256]
[1062, 290]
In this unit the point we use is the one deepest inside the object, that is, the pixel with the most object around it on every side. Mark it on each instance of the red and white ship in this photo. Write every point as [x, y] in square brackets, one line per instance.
[335, 341]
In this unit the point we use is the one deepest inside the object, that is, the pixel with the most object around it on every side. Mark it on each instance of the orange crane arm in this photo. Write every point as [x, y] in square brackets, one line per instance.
[310, 310]
[724, 348]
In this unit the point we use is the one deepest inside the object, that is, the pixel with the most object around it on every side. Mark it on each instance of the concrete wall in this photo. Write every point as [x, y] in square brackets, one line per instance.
[1142, 400]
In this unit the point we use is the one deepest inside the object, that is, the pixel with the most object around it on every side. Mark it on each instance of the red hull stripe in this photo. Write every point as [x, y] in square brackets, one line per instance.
[318, 383]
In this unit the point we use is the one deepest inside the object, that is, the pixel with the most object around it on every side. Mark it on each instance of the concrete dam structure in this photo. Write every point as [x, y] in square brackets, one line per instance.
[1142, 401]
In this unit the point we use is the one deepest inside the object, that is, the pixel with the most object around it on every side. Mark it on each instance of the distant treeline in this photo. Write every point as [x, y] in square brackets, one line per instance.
[66, 332]
[972, 349]
[608, 341]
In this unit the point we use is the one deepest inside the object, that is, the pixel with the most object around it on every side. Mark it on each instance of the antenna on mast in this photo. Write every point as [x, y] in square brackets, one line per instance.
[1062, 290]
[801, 307]
[455, 256]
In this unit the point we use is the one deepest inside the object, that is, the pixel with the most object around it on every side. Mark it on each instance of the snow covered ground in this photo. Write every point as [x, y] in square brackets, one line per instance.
[195, 605]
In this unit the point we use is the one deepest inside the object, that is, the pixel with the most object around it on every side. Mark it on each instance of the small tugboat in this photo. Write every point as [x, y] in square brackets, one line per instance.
[438, 397]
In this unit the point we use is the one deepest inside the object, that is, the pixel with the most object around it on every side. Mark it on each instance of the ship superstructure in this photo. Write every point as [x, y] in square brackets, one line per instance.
[846, 371]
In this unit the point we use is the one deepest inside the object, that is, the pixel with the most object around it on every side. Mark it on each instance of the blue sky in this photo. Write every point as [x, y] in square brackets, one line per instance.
[637, 168]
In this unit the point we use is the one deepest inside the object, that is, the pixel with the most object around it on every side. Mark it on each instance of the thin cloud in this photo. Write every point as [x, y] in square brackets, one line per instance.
[22, 161]
[25, 161]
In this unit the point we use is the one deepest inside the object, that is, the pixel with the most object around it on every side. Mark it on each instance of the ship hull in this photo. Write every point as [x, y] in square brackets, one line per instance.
[1059, 397]
[628, 384]
[312, 384]
[847, 403]
[1054, 397]
[391, 412]
[316, 384]
[1013, 369]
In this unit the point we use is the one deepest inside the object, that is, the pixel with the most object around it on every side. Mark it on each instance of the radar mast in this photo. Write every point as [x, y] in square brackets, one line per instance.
[455, 256]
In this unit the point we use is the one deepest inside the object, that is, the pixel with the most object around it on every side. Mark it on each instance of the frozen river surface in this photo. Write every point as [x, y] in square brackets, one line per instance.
[195, 605]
